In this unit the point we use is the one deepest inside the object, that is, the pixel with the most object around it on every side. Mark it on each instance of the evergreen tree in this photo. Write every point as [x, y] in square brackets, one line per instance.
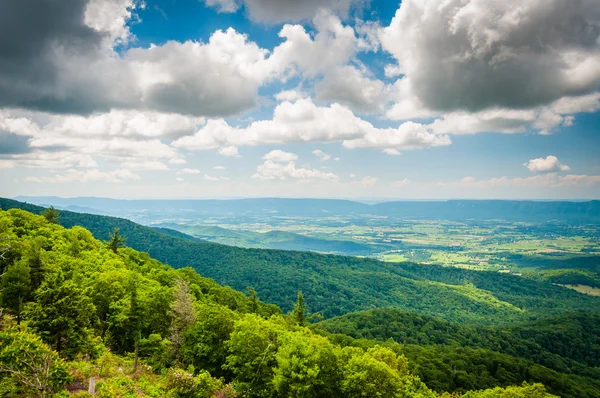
[61, 313]
[33, 258]
[253, 300]
[16, 287]
[299, 313]
[51, 215]
[115, 241]
[135, 320]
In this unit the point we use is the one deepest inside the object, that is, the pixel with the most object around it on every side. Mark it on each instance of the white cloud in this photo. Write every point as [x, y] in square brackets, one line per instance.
[369, 181]
[548, 180]
[392, 152]
[549, 164]
[270, 170]
[290, 95]
[124, 123]
[400, 183]
[219, 167]
[55, 160]
[111, 16]
[144, 165]
[6, 164]
[115, 176]
[323, 157]
[277, 155]
[493, 120]
[229, 150]
[408, 135]
[476, 54]
[211, 178]
[333, 45]
[223, 5]
[188, 171]
[350, 86]
[177, 161]
[303, 121]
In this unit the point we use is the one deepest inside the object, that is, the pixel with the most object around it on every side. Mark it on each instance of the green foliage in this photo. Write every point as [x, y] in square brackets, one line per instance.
[51, 215]
[185, 385]
[30, 364]
[526, 391]
[16, 287]
[90, 296]
[61, 314]
[115, 241]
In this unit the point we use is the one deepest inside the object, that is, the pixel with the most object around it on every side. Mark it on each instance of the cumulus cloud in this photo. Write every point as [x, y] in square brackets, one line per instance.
[368, 181]
[303, 121]
[323, 157]
[61, 63]
[229, 150]
[408, 135]
[549, 164]
[476, 54]
[350, 86]
[392, 152]
[277, 155]
[290, 95]
[223, 5]
[271, 170]
[219, 167]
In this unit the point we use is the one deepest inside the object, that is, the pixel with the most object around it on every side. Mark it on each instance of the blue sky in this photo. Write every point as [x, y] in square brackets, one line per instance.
[321, 98]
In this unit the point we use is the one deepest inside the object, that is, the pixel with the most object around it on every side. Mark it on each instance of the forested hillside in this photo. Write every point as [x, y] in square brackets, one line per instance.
[568, 343]
[75, 308]
[336, 285]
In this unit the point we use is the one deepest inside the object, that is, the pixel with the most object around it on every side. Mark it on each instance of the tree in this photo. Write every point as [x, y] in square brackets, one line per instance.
[16, 287]
[31, 363]
[307, 366]
[32, 256]
[299, 312]
[135, 320]
[252, 347]
[183, 313]
[253, 300]
[115, 241]
[61, 313]
[51, 215]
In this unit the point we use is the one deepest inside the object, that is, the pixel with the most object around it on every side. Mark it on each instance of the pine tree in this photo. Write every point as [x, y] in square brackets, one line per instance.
[16, 287]
[115, 241]
[299, 313]
[51, 214]
[61, 313]
[253, 300]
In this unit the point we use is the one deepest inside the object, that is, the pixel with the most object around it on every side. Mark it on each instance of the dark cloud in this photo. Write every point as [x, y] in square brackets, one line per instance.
[477, 54]
[36, 39]
[13, 144]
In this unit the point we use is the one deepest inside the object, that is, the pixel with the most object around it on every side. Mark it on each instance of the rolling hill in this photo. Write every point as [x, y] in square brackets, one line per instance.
[336, 285]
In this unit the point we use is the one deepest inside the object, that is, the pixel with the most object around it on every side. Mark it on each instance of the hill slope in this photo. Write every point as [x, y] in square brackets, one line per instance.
[335, 285]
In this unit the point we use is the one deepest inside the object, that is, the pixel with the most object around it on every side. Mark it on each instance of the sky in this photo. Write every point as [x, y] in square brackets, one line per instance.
[423, 99]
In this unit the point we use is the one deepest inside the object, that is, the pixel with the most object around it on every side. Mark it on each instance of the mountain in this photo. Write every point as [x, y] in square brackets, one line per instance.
[336, 285]
[513, 210]
[274, 240]
[92, 309]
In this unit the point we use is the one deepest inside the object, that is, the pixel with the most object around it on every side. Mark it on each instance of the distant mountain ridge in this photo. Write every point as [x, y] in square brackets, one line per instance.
[512, 210]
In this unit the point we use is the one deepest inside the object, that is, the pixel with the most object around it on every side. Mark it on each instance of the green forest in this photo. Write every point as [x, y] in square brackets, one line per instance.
[76, 308]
